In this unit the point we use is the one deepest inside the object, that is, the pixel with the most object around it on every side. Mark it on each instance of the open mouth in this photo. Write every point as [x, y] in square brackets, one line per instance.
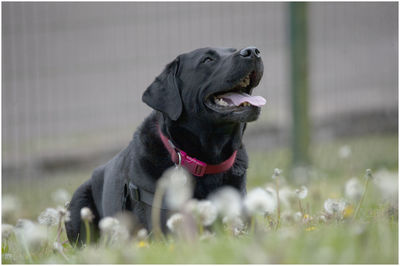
[237, 98]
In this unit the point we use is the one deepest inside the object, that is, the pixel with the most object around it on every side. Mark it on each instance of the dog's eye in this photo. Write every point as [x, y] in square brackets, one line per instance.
[207, 59]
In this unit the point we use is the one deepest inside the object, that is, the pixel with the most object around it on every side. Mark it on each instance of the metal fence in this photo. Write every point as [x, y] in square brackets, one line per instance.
[73, 73]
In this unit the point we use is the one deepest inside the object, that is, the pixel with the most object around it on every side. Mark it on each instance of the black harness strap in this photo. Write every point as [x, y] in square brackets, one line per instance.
[139, 195]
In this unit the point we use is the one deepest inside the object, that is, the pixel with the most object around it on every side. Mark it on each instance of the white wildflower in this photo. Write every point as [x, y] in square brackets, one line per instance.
[259, 201]
[228, 202]
[86, 214]
[142, 234]
[6, 231]
[206, 212]
[334, 206]
[49, 217]
[353, 189]
[178, 185]
[10, 205]
[60, 196]
[344, 152]
[175, 222]
[302, 192]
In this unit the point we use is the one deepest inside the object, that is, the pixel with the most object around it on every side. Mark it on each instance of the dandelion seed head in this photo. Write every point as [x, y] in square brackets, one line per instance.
[353, 189]
[57, 247]
[302, 192]
[32, 234]
[277, 172]
[142, 234]
[237, 232]
[175, 222]
[259, 201]
[49, 217]
[334, 206]
[206, 212]
[368, 173]
[108, 224]
[344, 152]
[178, 185]
[23, 224]
[64, 214]
[234, 222]
[112, 227]
[86, 214]
[60, 196]
[228, 202]
[6, 231]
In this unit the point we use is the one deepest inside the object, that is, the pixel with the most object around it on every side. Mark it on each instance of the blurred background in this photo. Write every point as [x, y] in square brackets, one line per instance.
[73, 76]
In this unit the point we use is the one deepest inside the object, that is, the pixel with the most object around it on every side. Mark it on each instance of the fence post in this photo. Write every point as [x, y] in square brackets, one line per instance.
[299, 83]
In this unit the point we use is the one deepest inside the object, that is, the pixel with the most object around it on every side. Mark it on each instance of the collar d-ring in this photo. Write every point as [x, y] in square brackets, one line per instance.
[179, 159]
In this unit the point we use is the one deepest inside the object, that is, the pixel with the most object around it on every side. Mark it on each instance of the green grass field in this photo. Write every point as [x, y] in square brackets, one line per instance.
[371, 237]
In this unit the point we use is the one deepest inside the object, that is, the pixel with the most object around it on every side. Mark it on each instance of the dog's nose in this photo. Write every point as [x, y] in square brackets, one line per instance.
[250, 51]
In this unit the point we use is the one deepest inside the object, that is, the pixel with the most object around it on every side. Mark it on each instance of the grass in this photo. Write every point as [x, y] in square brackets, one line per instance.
[370, 238]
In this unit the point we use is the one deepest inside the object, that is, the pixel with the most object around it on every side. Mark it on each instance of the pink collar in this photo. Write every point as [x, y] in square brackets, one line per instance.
[194, 166]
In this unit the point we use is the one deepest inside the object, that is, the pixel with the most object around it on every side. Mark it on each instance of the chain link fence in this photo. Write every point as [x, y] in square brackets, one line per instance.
[73, 73]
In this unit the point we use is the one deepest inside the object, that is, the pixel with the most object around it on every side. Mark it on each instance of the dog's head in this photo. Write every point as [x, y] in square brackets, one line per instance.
[212, 84]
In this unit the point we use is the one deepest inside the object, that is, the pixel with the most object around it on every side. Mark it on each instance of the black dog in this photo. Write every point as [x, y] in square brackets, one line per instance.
[202, 101]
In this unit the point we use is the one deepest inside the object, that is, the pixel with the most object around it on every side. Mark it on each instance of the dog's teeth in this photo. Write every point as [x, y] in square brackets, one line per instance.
[222, 102]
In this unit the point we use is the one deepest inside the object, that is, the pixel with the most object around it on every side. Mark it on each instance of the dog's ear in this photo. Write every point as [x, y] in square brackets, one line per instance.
[163, 94]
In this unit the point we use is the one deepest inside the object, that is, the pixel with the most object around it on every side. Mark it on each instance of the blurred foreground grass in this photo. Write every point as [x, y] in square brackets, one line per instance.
[370, 238]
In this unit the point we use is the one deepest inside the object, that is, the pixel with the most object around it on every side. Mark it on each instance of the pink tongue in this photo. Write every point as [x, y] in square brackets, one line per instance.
[239, 98]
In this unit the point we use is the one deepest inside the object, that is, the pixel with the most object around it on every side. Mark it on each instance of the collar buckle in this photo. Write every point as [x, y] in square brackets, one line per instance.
[196, 167]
